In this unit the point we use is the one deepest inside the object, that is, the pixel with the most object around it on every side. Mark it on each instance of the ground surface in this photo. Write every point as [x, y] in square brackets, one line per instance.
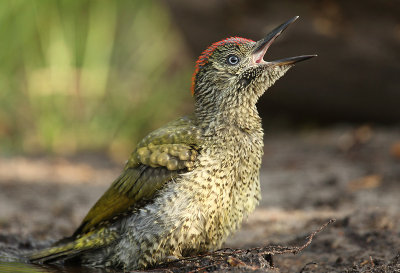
[348, 173]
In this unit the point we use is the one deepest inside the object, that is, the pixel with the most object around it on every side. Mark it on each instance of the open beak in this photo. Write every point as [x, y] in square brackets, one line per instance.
[262, 46]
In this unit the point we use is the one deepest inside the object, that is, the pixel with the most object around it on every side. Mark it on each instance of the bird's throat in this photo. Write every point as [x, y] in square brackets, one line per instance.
[229, 120]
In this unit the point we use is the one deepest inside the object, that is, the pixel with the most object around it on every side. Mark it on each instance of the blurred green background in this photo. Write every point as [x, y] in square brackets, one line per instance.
[96, 76]
[87, 75]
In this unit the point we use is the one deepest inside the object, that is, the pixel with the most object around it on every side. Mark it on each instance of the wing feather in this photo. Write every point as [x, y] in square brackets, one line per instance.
[159, 158]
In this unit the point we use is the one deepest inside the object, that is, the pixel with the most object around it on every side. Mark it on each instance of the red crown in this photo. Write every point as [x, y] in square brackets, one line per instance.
[205, 55]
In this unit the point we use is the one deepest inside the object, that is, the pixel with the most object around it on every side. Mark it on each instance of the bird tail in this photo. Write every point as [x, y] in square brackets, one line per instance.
[70, 248]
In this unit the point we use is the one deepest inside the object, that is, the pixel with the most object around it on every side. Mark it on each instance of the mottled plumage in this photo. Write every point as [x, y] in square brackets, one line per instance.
[189, 184]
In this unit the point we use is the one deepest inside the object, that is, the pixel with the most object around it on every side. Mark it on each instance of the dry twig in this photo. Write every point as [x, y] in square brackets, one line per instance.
[250, 259]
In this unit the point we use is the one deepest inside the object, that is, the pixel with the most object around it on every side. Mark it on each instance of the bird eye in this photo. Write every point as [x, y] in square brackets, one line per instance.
[233, 59]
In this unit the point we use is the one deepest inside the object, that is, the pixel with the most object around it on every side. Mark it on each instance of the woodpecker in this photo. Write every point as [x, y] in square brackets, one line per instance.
[189, 184]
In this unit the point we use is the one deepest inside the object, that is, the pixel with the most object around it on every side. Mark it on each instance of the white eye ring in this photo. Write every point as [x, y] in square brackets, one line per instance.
[233, 59]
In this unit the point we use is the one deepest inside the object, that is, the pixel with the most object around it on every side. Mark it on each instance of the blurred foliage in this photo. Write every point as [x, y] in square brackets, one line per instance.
[78, 75]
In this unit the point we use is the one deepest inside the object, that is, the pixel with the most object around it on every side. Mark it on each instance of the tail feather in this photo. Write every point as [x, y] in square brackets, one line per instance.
[68, 250]
[53, 254]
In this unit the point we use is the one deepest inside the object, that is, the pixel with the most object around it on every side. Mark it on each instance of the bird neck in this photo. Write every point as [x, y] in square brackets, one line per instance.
[224, 114]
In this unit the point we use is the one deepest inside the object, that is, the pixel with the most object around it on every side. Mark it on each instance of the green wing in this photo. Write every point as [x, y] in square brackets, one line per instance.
[159, 157]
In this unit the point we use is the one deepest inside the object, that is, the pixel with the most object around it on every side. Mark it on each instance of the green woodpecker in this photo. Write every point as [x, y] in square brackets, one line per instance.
[189, 184]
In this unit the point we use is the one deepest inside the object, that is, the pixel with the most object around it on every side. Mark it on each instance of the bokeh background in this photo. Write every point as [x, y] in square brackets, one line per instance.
[88, 75]
[82, 81]
[97, 75]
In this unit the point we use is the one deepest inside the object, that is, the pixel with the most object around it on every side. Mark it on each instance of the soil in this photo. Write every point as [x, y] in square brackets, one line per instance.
[347, 173]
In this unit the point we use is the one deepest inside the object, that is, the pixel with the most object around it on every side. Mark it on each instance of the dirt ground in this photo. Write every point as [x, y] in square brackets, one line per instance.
[349, 173]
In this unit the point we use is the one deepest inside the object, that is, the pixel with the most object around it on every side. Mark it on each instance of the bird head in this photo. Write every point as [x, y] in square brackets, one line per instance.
[233, 72]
